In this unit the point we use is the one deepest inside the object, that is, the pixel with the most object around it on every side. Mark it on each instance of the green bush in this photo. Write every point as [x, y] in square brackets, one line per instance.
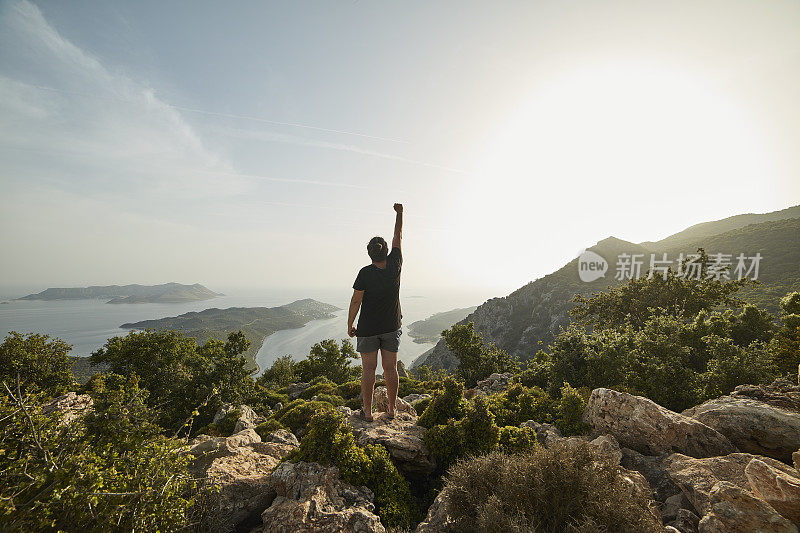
[515, 439]
[320, 385]
[298, 413]
[228, 423]
[264, 400]
[282, 372]
[444, 405]
[105, 471]
[331, 399]
[420, 405]
[475, 434]
[330, 441]
[562, 488]
[270, 426]
[330, 360]
[519, 404]
[40, 363]
[349, 390]
[571, 406]
[476, 360]
[732, 365]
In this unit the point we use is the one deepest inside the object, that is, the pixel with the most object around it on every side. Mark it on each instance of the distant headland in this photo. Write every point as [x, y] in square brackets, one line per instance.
[129, 294]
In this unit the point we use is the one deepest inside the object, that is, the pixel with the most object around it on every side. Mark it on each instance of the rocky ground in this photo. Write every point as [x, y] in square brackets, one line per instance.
[729, 465]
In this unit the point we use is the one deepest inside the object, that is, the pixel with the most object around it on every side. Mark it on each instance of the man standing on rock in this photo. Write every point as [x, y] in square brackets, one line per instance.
[377, 292]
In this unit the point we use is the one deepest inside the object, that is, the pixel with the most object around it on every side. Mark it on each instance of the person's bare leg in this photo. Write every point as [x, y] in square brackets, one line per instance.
[392, 378]
[369, 362]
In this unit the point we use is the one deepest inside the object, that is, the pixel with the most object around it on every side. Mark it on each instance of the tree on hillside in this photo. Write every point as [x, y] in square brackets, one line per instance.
[786, 344]
[477, 361]
[40, 363]
[327, 359]
[640, 298]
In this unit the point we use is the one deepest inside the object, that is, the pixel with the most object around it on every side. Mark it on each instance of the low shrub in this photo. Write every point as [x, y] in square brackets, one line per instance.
[350, 389]
[445, 404]
[320, 385]
[519, 403]
[297, 414]
[557, 489]
[571, 406]
[270, 426]
[331, 399]
[330, 441]
[475, 434]
[264, 400]
[514, 439]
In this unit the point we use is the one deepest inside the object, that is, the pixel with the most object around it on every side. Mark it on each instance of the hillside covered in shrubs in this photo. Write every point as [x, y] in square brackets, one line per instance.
[663, 402]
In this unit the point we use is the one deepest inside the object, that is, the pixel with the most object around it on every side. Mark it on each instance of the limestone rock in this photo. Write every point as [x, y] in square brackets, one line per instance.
[311, 497]
[760, 420]
[697, 477]
[243, 478]
[796, 460]
[294, 390]
[401, 369]
[282, 436]
[652, 468]
[380, 402]
[438, 520]
[733, 510]
[546, 434]
[609, 447]
[402, 437]
[247, 417]
[779, 489]
[645, 426]
[495, 383]
[685, 521]
[70, 406]
[411, 398]
[219, 446]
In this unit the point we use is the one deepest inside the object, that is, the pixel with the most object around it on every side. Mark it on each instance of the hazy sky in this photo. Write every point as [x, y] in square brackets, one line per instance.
[262, 144]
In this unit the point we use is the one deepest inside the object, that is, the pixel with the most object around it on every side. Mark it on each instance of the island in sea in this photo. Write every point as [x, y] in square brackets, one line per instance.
[430, 329]
[129, 294]
[256, 322]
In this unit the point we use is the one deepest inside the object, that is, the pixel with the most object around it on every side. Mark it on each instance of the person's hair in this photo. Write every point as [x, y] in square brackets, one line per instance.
[377, 249]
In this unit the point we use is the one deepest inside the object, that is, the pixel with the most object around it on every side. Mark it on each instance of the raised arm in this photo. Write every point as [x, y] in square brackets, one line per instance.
[355, 304]
[398, 226]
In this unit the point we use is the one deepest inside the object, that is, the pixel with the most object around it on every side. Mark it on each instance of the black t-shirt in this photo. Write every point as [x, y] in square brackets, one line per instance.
[380, 307]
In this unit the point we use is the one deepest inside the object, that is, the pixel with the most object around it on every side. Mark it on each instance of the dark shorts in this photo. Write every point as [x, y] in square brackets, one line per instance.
[386, 341]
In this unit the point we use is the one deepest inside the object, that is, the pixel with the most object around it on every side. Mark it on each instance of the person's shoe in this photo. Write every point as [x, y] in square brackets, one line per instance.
[365, 417]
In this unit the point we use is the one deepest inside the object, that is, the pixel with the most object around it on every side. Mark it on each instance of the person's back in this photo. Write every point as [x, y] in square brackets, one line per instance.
[376, 292]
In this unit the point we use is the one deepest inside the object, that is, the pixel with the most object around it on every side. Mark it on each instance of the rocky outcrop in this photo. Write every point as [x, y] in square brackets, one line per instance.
[546, 434]
[402, 438]
[733, 510]
[401, 369]
[69, 406]
[643, 425]
[238, 466]
[203, 445]
[653, 469]
[247, 417]
[495, 383]
[763, 420]
[312, 498]
[779, 489]
[438, 520]
[294, 390]
[411, 398]
[697, 477]
[282, 436]
[380, 402]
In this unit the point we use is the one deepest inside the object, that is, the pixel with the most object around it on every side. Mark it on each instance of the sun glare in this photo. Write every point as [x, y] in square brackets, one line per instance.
[620, 140]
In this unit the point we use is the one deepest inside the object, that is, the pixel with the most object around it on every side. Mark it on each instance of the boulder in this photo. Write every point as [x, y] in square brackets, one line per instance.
[438, 520]
[311, 497]
[609, 448]
[282, 436]
[247, 417]
[779, 489]
[796, 460]
[697, 477]
[411, 398]
[685, 521]
[495, 383]
[401, 369]
[646, 427]
[402, 437]
[294, 390]
[242, 477]
[380, 402]
[763, 420]
[204, 445]
[652, 468]
[69, 406]
[546, 434]
[733, 510]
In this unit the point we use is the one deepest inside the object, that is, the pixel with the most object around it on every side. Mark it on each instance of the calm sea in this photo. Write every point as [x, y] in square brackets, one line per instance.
[87, 324]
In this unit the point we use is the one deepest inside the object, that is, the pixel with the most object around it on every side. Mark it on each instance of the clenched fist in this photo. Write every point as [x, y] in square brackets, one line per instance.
[398, 208]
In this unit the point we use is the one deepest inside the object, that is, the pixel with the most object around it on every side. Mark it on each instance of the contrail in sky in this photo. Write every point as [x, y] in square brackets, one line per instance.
[229, 115]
